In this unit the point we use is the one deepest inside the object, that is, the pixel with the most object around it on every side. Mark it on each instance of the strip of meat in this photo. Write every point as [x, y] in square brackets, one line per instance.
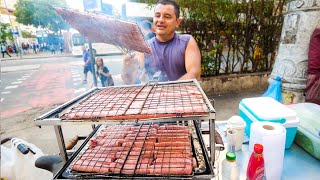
[173, 160]
[173, 139]
[180, 144]
[171, 155]
[170, 169]
[168, 131]
[138, 144]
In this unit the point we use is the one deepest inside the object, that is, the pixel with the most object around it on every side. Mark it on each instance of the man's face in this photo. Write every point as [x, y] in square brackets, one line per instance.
[165, 20]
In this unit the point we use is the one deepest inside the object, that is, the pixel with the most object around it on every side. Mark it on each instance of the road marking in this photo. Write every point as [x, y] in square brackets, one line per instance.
[10, 87]
[2, 99]
[79, 90]
[21, 79]
[75, 75]
[18, 82]
[77, 79]
[6, 92]
[75, 84]
[25, 76]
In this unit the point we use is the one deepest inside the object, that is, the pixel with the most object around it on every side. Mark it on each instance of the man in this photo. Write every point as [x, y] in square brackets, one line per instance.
[313, 79]
[4, 50]
[146, 27]
[87, 64]
[176, 56]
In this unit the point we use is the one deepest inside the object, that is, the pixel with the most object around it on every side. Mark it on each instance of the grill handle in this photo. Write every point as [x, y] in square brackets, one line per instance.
[74, 141]
[218, 141]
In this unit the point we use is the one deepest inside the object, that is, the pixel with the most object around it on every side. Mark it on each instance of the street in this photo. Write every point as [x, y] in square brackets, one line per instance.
[37, 83]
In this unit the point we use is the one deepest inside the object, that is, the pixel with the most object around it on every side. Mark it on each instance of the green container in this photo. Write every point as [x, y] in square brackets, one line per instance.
[308, 134]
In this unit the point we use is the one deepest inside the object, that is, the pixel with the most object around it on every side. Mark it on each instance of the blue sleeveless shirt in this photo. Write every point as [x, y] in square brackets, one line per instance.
[167, 57]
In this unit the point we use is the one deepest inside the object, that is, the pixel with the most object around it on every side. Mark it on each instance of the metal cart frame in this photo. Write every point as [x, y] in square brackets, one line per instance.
[52, 118]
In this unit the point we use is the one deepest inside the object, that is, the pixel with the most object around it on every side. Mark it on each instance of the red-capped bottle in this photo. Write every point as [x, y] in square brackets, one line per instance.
[255, 170]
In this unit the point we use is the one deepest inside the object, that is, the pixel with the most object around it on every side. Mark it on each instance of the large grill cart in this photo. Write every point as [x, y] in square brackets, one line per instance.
[162, 116]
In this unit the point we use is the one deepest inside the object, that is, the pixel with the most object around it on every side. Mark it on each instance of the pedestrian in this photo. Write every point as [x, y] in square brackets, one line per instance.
[177, 57]
[34, 47]
[312, 91]
[87, 64]
[146, 27]
[4, 50]
[103, 73]
[61, 48]
[53, 51]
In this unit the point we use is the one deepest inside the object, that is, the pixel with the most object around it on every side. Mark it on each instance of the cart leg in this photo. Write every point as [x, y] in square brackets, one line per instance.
[61, 144]
[212, 141]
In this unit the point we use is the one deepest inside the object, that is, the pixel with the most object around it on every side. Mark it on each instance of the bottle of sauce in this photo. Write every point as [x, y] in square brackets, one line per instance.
[255, 170]
[230, 169]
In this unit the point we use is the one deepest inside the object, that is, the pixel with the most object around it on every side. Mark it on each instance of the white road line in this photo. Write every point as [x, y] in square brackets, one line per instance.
[77, 79]
[10, 87]
[79, 90]
[21, 79]
[18, 82]
[2, 99]
[76, 75]
[75, 84]
[6, 92]
[25, 76]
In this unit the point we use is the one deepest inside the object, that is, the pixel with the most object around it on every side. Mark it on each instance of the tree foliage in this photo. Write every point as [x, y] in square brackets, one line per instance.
[5, 32]
[40, 13]
[229, 31]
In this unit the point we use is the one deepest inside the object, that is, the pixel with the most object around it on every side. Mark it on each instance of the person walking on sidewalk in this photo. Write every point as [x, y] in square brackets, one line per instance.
[53, 51]
[61, 48]
[87, 64]
[4, 50]
[103, 73]
[34, 47]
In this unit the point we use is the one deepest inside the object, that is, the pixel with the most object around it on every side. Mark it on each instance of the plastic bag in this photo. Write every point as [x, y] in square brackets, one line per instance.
[274, 90]
[18, 166]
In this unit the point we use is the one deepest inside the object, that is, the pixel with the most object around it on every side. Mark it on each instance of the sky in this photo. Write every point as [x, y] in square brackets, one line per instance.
[78, 4]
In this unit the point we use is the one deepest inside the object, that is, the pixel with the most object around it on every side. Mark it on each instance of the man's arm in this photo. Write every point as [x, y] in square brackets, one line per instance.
[192, 61]
[130, 68]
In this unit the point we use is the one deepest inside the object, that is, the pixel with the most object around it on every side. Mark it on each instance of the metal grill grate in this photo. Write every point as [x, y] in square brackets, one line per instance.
[101, 28]
[149, 101]
[150, 149]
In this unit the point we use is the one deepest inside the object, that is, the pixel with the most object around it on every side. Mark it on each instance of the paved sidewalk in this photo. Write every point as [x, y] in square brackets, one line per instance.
[35, 56]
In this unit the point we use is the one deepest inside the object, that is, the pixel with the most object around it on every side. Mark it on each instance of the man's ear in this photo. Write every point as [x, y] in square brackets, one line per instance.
[179, 20]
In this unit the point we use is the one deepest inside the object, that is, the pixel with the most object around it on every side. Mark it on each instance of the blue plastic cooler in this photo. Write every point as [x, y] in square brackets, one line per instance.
[266, 109]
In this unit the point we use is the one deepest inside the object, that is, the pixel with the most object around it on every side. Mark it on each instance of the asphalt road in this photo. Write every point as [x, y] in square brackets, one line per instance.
[45, 82]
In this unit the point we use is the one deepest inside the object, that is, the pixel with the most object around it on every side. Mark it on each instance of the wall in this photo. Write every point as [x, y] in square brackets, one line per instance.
[235, 83]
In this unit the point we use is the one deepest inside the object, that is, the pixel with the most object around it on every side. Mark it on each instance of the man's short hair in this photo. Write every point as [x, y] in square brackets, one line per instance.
[173, 3]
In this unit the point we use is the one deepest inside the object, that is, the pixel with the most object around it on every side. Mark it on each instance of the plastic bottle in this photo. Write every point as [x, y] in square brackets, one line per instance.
[255, 170]
[230, 169]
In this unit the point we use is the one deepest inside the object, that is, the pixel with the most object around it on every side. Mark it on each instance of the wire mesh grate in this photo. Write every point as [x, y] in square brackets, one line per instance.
[149, 101]
[147, 149]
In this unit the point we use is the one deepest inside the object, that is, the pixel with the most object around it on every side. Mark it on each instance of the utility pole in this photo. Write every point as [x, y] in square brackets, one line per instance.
[12, 31]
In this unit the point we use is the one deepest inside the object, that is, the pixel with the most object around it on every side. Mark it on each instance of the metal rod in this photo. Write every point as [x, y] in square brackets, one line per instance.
[61, 144]
[212, 141]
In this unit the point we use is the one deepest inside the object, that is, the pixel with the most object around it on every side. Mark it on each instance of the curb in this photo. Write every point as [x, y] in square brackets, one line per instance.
[35, 57]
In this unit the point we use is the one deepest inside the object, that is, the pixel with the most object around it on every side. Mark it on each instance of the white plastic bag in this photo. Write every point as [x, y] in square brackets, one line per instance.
[18, 166]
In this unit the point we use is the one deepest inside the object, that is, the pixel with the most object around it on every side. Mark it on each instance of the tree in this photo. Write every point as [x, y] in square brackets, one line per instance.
[5, 32]
[40, 13]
